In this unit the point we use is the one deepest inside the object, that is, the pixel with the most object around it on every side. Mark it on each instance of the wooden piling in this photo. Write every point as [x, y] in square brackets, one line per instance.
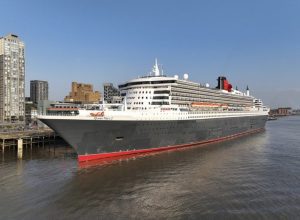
[28, 139]
[3, 145]
[20, 148]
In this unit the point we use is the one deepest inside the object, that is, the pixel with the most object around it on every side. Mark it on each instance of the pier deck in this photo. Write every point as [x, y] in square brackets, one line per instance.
[28, 137]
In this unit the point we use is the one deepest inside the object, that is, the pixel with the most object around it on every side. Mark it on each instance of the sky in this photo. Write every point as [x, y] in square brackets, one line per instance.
[254, 42]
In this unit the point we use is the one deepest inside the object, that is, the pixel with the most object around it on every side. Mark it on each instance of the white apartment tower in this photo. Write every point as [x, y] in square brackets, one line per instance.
[12, 79]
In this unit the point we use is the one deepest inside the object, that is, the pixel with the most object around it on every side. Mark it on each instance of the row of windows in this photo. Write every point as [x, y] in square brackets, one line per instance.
[211, 96]
[176, 99]
[162, 92]
[160, 97]
[129, 90]
[137, 108]
[146, 97]
[140, 92]
[215, 93]
[59, 106]
[143, 97]
[209, 99]
[160, 103]
[146, 82]
[138, 103]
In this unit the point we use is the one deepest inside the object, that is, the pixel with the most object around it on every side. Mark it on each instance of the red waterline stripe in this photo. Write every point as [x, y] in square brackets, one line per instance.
[89, 157]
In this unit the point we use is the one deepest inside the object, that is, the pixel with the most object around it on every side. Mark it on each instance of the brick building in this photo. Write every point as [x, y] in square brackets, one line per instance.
[83, 94]
[280, 111]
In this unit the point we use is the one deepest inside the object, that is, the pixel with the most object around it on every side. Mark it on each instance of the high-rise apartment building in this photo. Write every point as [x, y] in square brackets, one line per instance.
[111, 94]
[38, 90]
[83, 93]
[12, 79]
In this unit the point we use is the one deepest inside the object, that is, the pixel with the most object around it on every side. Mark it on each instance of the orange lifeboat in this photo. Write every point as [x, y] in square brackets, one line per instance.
[205, 104]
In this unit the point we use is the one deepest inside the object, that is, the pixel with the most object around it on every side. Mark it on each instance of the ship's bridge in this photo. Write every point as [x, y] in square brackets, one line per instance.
[149, 80]
[148, 92]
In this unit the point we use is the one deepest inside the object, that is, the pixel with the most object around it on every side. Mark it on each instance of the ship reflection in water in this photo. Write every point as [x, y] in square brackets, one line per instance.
[255, 176]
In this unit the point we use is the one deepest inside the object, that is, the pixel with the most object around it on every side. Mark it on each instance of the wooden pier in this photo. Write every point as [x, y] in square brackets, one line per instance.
[28, 138]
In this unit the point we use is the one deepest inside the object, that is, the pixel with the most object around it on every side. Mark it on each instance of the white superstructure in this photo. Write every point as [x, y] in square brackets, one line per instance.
[158, 97]
[156, 90]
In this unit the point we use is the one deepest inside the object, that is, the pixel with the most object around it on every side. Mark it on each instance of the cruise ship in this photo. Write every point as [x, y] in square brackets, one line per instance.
[160, 113]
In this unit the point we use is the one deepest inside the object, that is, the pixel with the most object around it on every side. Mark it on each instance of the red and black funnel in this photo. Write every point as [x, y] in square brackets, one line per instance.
[224, 84]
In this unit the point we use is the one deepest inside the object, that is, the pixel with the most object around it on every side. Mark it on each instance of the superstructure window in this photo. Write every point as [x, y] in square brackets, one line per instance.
[160, 82]
[162, 92]
[160, 103]
[146, 82]
[160, 97]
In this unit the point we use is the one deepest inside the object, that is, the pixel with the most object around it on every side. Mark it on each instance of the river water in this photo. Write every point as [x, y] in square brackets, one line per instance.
[253, 177]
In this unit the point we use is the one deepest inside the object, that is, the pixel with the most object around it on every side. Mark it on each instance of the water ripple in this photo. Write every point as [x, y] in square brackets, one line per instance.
[254, 177]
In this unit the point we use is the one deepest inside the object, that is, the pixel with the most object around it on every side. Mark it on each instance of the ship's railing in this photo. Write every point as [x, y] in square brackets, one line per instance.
[58, 114]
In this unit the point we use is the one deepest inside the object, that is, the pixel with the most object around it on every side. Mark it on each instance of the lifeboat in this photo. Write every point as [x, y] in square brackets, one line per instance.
[207, 104]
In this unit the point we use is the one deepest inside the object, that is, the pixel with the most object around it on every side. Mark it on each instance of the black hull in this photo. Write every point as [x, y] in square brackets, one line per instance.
[90, 137]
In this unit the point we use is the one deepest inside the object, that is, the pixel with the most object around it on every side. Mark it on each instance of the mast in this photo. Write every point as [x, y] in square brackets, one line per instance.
[156, 69]
[125, 103]
[247, 91]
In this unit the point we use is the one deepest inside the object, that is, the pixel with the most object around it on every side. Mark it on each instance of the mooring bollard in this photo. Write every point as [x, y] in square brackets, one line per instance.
[20, 148]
